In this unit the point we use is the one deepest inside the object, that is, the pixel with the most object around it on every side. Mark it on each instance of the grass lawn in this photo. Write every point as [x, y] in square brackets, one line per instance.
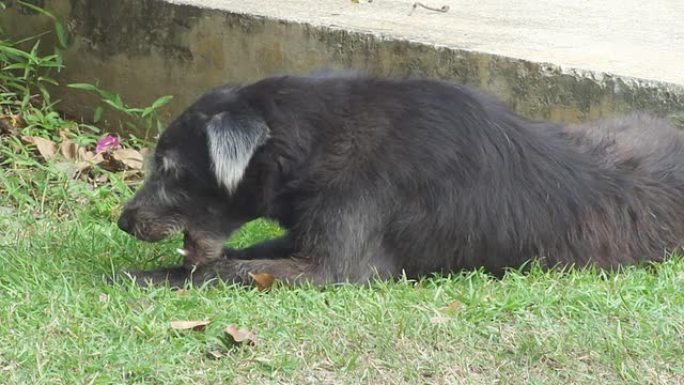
[62, 323]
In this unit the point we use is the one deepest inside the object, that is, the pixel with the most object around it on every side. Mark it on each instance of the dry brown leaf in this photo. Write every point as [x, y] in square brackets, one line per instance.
[239, 336]
[263, 281]
[89, 159]
[181, 292]
[132, 159]
[447, 310]
[82, 158]
[452, 307]
[68, 148]
[46, 147]
[6, 127]
[10, 124]
[72, 151]
[214, 354]
[185, 325]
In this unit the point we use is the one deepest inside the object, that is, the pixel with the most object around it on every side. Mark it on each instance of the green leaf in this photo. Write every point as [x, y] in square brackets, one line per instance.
[33, 56]
[134, 111]
[118, 101]
[110, 103]
[97, 114]
[61, 34]
[82, 86]
[48, 80]
[89, 127]
[25, 100]
[161, 101]
[106, 95]
[11, 51]
[37, 9]
[59, 59]
[15, 66]
[147, 111]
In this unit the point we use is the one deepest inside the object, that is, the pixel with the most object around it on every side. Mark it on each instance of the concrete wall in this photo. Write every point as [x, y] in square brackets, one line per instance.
[144, 49]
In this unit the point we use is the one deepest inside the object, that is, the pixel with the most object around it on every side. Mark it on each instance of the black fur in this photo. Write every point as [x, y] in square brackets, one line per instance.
[379, 176]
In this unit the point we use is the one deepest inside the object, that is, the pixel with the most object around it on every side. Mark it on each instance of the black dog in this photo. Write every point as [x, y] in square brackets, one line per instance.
[378, 177]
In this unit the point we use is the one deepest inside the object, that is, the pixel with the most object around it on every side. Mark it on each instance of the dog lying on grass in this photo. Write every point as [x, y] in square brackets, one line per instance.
[377, 177]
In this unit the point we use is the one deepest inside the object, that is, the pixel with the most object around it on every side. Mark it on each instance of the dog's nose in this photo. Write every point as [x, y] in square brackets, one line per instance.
[125, 223]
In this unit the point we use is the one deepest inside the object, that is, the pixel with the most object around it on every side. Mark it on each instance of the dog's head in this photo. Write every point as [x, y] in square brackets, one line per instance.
[198, 164]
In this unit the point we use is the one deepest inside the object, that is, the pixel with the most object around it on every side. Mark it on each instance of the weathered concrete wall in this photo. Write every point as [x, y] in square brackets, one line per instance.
[143, 49]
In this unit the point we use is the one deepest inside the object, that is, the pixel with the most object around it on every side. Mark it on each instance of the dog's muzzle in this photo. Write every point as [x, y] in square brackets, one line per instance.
[126, 222]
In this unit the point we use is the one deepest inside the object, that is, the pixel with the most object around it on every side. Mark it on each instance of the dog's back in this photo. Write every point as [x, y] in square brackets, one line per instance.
[460, 181]
[383, 176]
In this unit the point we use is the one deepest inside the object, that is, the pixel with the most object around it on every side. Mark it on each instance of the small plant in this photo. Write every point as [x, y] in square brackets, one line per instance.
[146, 118]
[24, 73]
[50, 165]
[25, 99]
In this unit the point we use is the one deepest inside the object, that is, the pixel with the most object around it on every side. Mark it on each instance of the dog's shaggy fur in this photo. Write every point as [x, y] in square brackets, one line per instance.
[383, 177]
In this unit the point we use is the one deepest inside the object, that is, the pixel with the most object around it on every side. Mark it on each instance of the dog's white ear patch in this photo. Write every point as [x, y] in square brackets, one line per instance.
[169, 163]
[232, 142]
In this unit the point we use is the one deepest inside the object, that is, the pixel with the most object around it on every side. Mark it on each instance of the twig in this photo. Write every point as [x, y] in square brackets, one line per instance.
[442, 9]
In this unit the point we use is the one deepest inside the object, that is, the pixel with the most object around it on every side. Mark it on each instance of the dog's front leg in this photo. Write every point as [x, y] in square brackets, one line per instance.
[277, 248]
[291, 270]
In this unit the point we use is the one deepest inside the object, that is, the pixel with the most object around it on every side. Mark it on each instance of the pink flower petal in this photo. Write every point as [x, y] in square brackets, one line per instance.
[109, 142]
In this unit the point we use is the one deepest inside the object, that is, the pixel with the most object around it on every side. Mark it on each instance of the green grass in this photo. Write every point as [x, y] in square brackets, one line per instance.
[62, 323]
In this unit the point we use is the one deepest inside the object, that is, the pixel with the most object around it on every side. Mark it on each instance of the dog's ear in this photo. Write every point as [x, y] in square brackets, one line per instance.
[233, 139]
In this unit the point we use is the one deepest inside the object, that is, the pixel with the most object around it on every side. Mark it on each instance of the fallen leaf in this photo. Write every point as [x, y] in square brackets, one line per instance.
[130, 158]
[101, 179]
[447, 310]
[6, 127]
[181, 292]
[46, 147]
[82, 158]
[68, 148]
[214, 354]
[10, 124]
[452, 307]
[239, 336]
[185, 325]
[263, 281]
[89, 160]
